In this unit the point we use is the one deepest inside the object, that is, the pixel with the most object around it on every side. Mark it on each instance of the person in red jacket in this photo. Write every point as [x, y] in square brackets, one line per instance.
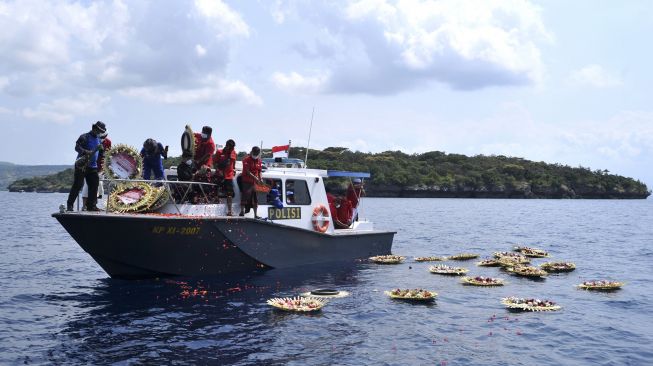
[225, 162]
[340, 211]
[250, 176]
[344, 214]
[204, 149]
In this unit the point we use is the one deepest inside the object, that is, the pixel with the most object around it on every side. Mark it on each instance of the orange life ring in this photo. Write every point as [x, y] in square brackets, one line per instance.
[320, 218]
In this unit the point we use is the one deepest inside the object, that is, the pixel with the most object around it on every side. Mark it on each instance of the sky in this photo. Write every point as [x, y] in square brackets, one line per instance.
[556, 81]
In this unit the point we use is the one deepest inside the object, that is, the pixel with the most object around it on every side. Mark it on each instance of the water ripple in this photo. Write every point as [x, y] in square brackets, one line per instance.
[58, 307]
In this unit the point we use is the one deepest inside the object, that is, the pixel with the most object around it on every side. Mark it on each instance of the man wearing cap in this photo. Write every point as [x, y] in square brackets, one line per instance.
[205, 147]
[89, 150]
[152, 153]
[225, 161]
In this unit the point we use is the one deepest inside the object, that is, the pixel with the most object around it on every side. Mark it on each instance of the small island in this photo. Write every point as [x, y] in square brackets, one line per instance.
[436, 174]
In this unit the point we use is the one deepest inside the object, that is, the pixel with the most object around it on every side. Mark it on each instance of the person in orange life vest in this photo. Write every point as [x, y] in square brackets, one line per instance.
[225, 162]
[250, 176]
[106, 145]
[204, 149]
[354, 192]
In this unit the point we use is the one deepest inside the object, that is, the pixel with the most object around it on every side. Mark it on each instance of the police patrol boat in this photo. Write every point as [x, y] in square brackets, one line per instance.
[184, 238]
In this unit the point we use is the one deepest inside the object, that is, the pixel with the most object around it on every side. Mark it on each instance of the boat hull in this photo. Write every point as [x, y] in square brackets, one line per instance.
[146, 246]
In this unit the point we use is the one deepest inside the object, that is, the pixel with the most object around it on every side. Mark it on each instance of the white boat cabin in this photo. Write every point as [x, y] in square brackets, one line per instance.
[301, 191]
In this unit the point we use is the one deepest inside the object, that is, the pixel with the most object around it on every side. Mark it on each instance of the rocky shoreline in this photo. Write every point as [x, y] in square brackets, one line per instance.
[526, 191]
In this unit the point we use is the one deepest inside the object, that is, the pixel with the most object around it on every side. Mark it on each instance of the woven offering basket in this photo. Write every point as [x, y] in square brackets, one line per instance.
[527, 271]
[387, 259]
[297, 304]
[430, 259]
[417, 294]
[514, 259]
[516, 303]
[462, 256]
[482, 281]
[532, 252]
[558, 266]
[448, 270]
[602, 285]
[489, 263]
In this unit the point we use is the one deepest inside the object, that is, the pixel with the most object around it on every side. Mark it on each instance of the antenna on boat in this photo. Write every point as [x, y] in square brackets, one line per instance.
[310, 129]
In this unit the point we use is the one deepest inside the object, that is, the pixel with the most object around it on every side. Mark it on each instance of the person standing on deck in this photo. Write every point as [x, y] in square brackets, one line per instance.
[89, 149]
[250, 176]
[226, 164]
[205, 147]
[106, 146]
[153, 152]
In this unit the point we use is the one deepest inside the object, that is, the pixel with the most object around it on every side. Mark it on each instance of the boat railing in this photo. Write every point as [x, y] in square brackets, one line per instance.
[182, 187]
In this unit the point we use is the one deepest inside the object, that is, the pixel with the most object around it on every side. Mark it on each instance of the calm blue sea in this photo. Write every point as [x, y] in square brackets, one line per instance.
[58, 307]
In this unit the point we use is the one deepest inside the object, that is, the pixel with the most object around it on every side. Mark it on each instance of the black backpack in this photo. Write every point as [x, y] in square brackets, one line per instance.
[185, 171]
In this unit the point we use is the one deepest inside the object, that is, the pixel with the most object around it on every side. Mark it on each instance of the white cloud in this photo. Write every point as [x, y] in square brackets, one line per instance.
[596, 76]
[222, 17]
[65, 110]
[296, 83]
[391, 46]
[201, 51]
[4, 110]
[278, 12]
[57, 47]
[214, 90]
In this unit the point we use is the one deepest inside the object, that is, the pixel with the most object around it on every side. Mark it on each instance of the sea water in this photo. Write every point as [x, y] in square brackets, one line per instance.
[57, 306]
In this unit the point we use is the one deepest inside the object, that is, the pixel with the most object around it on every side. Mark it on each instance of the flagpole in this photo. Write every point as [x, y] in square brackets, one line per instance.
[309, 138]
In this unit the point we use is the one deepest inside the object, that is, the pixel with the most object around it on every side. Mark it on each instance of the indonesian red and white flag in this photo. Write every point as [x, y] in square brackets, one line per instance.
[280, 151]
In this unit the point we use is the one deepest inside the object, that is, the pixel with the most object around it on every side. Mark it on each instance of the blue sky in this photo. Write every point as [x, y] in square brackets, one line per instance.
[554, 81]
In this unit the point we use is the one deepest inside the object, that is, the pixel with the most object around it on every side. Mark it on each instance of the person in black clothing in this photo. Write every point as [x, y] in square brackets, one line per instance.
[89, 150]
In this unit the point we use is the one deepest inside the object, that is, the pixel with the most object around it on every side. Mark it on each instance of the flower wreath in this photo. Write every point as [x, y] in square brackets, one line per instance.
[188, 145]
[111, 160]
[135, 197]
